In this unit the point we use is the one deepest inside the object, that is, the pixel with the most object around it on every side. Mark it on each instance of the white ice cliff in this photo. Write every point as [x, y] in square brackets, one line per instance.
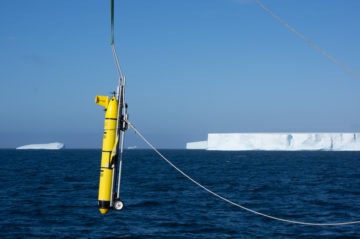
[280, 141]
[52, 146]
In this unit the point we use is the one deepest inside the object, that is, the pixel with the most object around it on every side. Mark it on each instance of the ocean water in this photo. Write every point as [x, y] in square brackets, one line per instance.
[53, 194]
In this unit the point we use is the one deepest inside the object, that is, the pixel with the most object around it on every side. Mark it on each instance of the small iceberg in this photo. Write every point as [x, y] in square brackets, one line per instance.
[49, 146]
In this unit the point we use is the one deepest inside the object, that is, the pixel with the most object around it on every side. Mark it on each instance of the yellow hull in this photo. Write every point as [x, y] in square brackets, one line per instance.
[106, 171]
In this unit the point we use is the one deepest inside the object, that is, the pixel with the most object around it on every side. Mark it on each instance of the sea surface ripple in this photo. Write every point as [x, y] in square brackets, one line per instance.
[53, 194]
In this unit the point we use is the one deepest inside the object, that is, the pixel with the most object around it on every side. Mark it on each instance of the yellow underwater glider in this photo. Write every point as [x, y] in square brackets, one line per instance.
[113, 139]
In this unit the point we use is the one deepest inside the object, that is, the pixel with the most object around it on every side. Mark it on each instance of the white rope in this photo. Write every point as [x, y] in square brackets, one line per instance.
[229, 201]
[308, 41]
[117, 63]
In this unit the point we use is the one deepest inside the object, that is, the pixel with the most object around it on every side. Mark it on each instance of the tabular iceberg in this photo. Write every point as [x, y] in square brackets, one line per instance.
[50, 146]
[280, 141]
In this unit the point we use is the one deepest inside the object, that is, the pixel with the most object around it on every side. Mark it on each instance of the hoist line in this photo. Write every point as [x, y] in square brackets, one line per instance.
[307, 40]
[113, 44]
[112, 21]
[228, 200]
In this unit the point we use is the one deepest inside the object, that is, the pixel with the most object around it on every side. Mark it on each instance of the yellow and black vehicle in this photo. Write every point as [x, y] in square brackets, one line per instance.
[114, 134]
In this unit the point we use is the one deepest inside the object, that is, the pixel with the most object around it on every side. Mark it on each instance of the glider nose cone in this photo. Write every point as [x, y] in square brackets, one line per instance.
[104, 211]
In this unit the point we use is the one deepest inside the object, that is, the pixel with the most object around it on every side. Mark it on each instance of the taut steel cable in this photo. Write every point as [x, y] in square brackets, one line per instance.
[308, 41]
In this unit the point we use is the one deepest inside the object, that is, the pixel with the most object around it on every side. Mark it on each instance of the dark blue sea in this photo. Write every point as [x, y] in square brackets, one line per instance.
[53, 194]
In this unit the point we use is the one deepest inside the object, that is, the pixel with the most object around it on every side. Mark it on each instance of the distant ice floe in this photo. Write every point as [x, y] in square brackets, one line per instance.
[280, 141]
[49, 146]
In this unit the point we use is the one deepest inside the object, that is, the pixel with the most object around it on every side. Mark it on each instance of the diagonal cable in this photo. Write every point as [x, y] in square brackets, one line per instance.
[308, 41]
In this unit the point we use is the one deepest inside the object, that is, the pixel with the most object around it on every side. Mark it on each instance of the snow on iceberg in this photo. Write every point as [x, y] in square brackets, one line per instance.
[280, 141]
[51, 146]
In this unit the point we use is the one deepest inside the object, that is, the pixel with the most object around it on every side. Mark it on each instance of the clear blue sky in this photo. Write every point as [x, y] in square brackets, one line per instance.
[193, 67]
